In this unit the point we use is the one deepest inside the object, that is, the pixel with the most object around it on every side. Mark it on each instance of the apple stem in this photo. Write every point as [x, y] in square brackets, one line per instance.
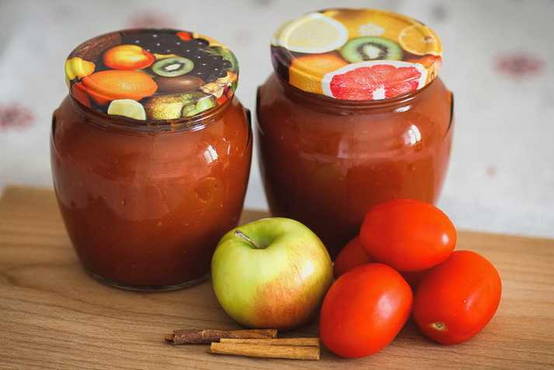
[249, 240]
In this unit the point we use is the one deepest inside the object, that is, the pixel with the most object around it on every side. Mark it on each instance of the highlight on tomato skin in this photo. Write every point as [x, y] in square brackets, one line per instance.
[354, 320]
[457, 299]
[351, 255]
[408, 235]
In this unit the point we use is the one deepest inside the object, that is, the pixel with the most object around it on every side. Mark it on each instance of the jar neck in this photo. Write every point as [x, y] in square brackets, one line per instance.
[328, 104]
[194, 123]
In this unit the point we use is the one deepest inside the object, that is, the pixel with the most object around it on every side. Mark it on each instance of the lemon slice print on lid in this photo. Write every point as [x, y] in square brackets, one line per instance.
[312, 33]
[419, 40]
[127, 108]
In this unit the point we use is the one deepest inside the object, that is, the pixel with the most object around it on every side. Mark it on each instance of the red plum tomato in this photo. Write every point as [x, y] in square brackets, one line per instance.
[456, 299]
[408, 235]
[364, 310]
[351, 255]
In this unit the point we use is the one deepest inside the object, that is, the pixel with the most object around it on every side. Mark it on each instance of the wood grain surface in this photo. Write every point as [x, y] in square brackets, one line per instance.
[53, 316]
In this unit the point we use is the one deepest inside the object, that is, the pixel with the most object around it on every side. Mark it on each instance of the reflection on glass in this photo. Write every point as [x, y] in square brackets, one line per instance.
[412, 135]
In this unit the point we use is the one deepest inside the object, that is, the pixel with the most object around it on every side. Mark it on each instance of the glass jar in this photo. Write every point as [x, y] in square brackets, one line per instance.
[148, 184]
[342, 128]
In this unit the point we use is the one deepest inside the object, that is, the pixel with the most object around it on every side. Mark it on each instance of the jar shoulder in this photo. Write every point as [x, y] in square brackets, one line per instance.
[76, 136]
[425, 118]
[70, 113]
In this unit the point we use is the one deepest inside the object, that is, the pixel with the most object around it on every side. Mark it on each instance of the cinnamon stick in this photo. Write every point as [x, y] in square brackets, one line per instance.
[266, 351]
[207, 336]
[308, 342]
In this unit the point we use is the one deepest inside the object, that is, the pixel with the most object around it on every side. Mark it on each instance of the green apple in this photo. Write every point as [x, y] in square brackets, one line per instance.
[271, 273]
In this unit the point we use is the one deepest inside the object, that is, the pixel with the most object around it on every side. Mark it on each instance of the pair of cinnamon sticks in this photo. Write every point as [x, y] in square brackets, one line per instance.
[262, 343]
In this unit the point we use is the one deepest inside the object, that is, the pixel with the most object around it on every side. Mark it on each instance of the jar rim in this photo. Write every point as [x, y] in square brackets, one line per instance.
[333, 103]
[190, 124]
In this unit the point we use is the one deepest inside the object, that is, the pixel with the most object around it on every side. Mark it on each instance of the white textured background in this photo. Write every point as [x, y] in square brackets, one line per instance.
[499, 58]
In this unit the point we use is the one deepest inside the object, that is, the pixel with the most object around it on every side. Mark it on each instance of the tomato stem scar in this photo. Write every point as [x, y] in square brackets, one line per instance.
[439, 325]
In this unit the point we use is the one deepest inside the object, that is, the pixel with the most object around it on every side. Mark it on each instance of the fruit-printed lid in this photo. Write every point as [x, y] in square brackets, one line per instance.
[152, 74]
[356, 54]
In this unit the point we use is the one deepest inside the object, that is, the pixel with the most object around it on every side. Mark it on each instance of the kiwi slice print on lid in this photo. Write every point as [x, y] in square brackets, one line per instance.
[370, 48]
[173, 67]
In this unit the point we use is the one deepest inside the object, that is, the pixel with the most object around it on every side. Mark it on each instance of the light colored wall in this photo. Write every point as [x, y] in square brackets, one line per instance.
[501, 176]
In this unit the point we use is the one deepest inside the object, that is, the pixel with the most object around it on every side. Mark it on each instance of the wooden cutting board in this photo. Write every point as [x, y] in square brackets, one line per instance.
[52, 315]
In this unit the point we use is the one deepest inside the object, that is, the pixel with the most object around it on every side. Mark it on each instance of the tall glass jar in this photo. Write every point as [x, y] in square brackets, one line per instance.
[349, 120]
[150, 155]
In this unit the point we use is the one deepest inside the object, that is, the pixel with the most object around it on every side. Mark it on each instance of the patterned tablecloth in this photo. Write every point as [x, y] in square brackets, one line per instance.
[499, 57]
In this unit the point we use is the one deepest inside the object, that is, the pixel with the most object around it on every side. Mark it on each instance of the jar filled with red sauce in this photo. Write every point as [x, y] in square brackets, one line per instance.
[353, 115]
[150, 155]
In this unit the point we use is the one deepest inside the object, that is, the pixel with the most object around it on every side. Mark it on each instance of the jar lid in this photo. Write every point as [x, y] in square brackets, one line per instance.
[356, 54]
[152, 74]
